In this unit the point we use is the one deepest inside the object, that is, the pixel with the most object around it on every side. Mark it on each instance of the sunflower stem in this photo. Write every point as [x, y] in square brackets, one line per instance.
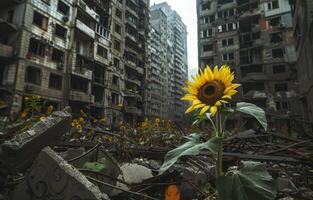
[219, 160]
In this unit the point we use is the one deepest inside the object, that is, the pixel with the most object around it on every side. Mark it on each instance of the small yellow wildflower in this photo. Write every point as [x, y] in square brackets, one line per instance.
[50, 109]
[24, 114]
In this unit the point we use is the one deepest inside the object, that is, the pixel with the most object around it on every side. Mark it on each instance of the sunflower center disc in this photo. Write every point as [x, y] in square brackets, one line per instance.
[211, 92]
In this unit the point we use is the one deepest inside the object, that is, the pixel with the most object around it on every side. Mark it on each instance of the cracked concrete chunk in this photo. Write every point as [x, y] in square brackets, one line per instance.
[19, 152]
[51, 177]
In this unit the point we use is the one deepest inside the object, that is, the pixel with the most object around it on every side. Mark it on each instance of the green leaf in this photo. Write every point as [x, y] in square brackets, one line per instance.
[96, 166]
[250, 182]
[190, 148]
[253, 110]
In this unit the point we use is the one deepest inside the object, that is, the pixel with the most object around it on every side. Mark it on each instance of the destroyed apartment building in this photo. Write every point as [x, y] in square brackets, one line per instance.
[254, 37]
[88, 54]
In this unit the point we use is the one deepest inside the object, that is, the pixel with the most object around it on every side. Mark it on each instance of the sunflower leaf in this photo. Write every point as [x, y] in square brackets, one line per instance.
[250, 182]
[253, 110]
[192, 147]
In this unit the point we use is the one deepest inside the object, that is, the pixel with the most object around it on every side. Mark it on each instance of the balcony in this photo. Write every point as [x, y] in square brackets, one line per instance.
[88, 10]
[85, 29]
[82, 72]
[81, 96]
[130, 64]
[133, 110]
[134, 81]
[132, 94]
[6, 27]
[6, 51]
[257, 76]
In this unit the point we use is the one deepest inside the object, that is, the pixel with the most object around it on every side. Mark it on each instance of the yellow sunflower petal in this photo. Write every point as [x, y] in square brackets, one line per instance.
[208, 73]
[218, 103]
[232, 92]
[226, 97]
[204, 109]
[189, 97]
[199, 105]
[190, 109]
[213, 110]
[196, 102]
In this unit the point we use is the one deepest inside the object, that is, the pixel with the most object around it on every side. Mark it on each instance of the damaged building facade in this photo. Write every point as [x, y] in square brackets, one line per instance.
[88, 54]
[303, 34]
[168, 68]
[255, 38]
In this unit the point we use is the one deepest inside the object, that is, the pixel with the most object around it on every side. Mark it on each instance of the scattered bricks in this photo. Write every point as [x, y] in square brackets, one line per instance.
[19, 152]
[51, 177]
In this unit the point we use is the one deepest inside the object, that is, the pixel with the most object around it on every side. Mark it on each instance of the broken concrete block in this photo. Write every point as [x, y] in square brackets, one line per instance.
[51, 177]
[134, 173]
[19, 152]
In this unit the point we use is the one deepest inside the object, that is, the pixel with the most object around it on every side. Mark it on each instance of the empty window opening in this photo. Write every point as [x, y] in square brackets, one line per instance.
[250, 69]
[60, 31]
[57, 55]
[40, 20]
[275, 21]
[114, 100]
[278, 53]
[206, 6]
[79, 84]
[36, 47]
[116, 62]
[228, 42]
[281, 87]
[256, 86]
[115, 80]
[101, 51]
[63, 8]
[118, 13]
[276, 37]
[207, 47]
[117, 28]
[206, 33]
[273, 5]
[33, 75]
[117, 45]
[279, 69]
[228, 56]
[55, 81]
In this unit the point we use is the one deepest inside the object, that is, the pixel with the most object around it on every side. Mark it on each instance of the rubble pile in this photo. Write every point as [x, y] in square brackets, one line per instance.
[45, 162]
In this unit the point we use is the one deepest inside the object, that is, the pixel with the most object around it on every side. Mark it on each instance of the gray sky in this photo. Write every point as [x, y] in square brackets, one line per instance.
[188, 12]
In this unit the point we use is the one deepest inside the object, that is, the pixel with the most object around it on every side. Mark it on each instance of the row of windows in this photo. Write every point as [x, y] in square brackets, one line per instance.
[33, 75]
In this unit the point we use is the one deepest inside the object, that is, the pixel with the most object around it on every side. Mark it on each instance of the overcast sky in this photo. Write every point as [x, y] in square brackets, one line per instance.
[188, 12]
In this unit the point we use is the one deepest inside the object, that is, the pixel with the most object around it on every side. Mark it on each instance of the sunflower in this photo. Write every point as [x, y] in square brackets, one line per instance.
[210, 89]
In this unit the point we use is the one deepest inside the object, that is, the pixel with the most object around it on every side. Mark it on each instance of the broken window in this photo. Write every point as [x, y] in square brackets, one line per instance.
[33, 75]
[279, 69]
[115, 80]
[207, 47]
[10, 16]
[275, 21]
[204, 20]
[206, 6]
[57, 55]
[278, 53]
[117, 28]
[276, 37]
[118, 13]
[273, 5]
[281, 87]
[40, 20]
[36, 47]
[60, 31]
[63, 8]
[55, 81]
[212, 18]
[79, 84]
[101, 51]
[117, 45]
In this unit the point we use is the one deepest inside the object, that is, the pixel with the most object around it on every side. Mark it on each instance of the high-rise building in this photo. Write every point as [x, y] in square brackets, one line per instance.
[303, 33]
[168, 63]
[254, 37]
[89, 54]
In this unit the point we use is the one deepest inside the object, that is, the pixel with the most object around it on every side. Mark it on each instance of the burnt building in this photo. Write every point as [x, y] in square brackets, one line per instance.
[254, 37]
[88, 54]
[303, 34]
